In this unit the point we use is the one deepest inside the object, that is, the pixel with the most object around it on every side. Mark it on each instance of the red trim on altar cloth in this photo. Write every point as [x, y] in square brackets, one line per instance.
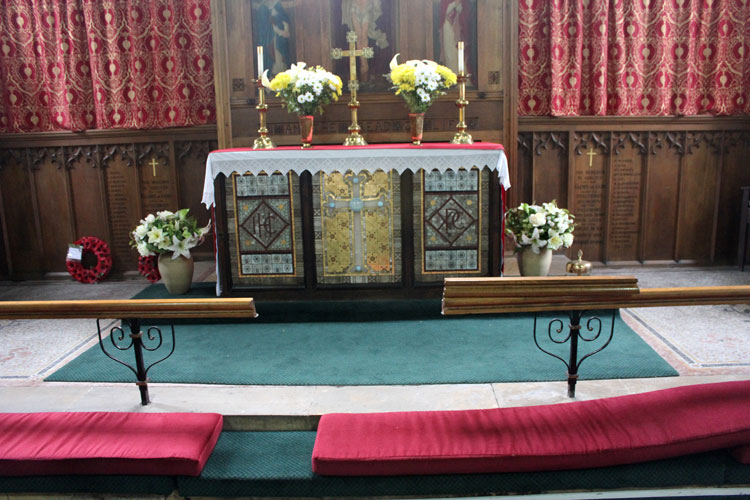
[406, 145]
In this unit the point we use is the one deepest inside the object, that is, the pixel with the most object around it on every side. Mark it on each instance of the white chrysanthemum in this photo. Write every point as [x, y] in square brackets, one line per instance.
[423, 96]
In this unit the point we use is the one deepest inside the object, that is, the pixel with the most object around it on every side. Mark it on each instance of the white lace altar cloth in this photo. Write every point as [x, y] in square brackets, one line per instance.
[328, 159]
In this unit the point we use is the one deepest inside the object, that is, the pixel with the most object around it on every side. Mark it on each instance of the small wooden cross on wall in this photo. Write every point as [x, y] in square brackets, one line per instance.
[591, 154]
[154, 164]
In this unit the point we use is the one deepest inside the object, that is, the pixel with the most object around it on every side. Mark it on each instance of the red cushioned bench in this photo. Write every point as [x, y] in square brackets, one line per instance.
[598, 433]
[106, 443]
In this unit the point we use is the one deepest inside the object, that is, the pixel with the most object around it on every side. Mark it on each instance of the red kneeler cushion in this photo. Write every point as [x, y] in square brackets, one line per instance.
[611, 431]
[106, 443]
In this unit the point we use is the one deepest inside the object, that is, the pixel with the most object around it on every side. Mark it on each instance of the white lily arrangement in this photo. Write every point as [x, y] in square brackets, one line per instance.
[419, 82]
[305, 90]
[538, 227]
[168, 232]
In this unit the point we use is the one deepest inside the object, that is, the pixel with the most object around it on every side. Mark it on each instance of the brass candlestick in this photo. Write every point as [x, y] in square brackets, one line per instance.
[462, 136]
[262, 142]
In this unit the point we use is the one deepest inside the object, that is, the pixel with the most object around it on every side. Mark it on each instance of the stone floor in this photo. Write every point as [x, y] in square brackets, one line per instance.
[704, 344]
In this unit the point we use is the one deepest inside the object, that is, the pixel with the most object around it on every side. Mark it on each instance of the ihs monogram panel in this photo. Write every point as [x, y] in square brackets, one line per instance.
[265, 230]
[451, 213]
[357, 227]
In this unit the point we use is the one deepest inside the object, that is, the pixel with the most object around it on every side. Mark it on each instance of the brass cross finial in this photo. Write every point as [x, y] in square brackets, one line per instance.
[591, 154]
[353, 139]
[154, 164]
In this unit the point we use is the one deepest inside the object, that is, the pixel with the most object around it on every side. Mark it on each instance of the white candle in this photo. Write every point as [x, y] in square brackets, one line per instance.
[460, 56]
[260, 61]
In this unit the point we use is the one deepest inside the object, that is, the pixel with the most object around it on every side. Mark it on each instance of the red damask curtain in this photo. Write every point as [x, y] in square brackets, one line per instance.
[83, 64]
[634, 57]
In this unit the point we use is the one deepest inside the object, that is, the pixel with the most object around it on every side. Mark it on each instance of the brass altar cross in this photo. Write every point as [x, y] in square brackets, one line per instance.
[591, 154]
[353, 139]
[154, 164]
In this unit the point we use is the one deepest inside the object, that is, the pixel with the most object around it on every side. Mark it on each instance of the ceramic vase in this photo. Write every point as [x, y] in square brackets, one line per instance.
[177, 274]
[416, 125]
[534, 264]
[306, 130]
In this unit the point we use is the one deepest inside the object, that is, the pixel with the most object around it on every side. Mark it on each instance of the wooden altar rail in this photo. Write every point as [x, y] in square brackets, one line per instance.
[512, 295]
[139, 308]
[574, 295]
[132, 312]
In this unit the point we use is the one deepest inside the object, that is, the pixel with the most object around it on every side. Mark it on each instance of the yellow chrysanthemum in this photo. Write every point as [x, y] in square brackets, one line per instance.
[449, 77]
[281, 81]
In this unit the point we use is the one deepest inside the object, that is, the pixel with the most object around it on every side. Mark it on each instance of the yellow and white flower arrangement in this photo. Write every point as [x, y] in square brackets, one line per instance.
[168, 232]
[303, 90]
[540, 226]
[420, 82]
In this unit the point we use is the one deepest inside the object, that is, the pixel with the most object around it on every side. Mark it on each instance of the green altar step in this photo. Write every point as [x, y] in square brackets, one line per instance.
[278, 464]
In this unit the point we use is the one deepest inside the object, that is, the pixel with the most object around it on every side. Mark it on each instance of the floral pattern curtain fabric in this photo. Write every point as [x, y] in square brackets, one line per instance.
[634, 57]
[84, 64]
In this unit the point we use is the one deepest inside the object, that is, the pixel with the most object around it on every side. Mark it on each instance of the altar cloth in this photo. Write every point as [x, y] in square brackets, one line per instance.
[328, 159]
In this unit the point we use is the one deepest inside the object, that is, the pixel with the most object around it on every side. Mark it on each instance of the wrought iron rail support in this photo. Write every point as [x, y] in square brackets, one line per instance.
[136, 343]
[574, 334]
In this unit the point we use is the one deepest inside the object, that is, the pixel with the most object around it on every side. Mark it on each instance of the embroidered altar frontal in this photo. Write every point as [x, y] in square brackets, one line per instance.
[263, 213]
[386, 220]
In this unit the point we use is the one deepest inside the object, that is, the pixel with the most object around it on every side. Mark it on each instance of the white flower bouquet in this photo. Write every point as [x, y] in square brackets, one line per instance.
[168, 232]
[539, 227]
[420, 82]
[305, 90]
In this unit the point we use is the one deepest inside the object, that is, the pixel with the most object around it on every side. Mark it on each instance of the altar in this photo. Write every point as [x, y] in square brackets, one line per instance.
[386, 220]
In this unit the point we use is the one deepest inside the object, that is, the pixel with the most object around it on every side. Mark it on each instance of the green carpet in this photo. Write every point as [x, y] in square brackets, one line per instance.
[367, 343]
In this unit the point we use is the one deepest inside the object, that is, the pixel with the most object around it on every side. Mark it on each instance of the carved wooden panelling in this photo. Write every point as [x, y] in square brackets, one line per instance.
[651, 196]
[550, 175]
[625, 186]
[589, 203]
[52, 195]
[698, 182]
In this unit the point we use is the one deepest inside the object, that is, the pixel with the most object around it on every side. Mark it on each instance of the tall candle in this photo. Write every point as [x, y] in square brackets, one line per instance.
[260, 61]
[460, 56]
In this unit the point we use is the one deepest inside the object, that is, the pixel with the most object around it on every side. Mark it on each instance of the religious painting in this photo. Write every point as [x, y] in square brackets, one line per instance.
[265, 229]
[273, 26]
[455, 21]
[374, 23]
[451, 211]
[357, 227]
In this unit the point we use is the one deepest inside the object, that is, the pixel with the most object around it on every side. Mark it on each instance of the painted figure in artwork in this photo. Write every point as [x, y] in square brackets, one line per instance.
[361, 17]
[272, 29]
[454, 27]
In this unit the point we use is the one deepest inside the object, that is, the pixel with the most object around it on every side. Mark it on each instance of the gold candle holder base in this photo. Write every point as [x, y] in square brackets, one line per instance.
[462, 137]
[263, 142]
[354, 139]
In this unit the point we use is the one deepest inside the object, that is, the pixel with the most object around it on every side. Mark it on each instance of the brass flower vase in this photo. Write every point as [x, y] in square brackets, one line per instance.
[416, 125]
[306, 130]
